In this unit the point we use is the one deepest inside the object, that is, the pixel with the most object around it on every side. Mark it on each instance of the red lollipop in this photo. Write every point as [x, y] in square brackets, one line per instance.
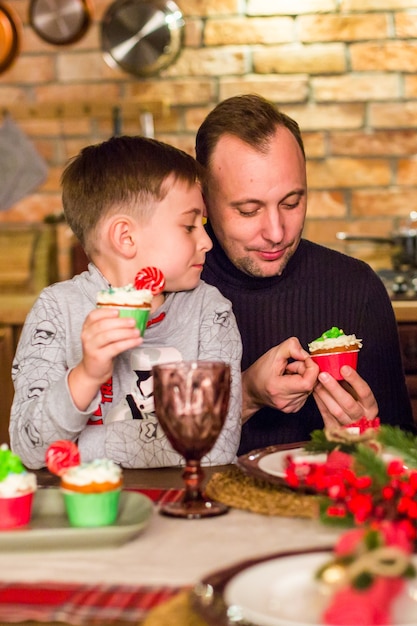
[61, 455]
[150, 278]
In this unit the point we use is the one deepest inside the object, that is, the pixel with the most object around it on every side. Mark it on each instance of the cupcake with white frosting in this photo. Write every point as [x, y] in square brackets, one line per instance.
[134, 300]
[17, 489]
[334, 349]
[91, 491]
[129, 301]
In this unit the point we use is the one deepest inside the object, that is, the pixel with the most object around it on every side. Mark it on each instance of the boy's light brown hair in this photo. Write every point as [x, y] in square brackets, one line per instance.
[123, 174]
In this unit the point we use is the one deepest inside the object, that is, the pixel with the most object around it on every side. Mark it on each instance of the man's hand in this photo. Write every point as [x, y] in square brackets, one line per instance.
[104, 336]
[345, 401]
[282, 378]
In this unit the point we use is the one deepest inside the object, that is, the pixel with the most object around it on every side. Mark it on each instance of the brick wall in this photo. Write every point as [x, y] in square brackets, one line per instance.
[345, 69]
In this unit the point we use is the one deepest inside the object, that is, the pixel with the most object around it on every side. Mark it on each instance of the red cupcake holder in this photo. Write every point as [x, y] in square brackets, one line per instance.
[332, 362]
[15, 511]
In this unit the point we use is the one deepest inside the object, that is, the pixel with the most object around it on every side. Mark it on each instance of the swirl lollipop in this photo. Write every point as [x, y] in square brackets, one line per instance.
[150, 278]
[61, 455]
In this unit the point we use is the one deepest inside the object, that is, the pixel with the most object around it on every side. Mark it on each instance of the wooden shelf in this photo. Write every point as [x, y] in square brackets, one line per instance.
[44, 110]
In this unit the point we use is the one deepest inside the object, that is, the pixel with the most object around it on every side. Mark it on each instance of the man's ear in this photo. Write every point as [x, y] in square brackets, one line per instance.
[122, 235]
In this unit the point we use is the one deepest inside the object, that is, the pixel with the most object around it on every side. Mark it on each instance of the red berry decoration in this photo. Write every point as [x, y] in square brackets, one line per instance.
[61, 455]
[150, 278]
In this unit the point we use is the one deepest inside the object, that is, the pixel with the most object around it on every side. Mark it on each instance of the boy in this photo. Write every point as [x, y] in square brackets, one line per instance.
[83, 373]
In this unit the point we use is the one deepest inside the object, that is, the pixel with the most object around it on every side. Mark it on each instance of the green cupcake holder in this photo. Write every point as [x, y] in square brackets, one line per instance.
[91, 509]
[139, 315]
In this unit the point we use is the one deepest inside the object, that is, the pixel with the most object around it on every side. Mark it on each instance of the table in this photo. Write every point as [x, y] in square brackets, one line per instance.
[169, 554]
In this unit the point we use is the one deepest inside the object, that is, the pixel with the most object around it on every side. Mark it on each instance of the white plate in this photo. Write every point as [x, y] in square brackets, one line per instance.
[274, 463]
[283, 592]
[49, 527]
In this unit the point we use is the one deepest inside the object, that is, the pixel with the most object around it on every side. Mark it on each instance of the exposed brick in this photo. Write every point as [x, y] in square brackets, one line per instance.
[342, 27]
[406, 24]
[267, 30]
[346, 70]
[186, 91]
[376, 5]
[289, 7]
[86, 66]
[328, 116]
[209, 7]
[376, 143]
[77, 92]
[407, 172]
[291, 58]
[356, 87]
[390, 201]
[337, 172]
[314, 144]
[326, 204]
[388, 56]
[194, 33]
[52, 182]
[217, 61]
[184, 142]
[410, 86]
[194, 116]
[31, 70]
[323, 231]
[393, 115]
[280, 89]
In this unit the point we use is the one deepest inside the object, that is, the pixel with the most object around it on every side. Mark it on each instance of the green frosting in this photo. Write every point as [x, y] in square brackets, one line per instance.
[332, 333]
[10, 463]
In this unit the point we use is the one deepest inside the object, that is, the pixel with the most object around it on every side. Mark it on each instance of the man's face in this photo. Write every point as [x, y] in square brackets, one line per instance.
[257, 201]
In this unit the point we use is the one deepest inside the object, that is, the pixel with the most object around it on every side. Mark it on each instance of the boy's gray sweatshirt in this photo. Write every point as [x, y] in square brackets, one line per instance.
[120, 423]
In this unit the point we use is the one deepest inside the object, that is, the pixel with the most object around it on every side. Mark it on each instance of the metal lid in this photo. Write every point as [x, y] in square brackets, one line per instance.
[142, 37]
[60, 22]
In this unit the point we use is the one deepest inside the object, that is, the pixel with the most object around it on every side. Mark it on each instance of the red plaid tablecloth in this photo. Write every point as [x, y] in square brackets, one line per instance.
[81, 604]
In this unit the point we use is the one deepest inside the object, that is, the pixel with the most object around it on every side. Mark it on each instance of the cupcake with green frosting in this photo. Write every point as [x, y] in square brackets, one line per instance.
[333, 349]
[17, 489]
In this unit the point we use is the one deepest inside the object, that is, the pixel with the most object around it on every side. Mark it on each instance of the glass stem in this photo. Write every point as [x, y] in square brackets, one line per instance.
[193, 476]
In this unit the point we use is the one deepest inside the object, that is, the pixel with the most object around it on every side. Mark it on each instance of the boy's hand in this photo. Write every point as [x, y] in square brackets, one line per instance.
[104, 336]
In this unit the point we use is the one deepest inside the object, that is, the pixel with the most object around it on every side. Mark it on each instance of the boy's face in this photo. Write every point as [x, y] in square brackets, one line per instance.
[174, 239]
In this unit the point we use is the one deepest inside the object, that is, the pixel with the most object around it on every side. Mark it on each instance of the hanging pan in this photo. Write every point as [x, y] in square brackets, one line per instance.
[60, 22]
[9, 37]
[142, 37]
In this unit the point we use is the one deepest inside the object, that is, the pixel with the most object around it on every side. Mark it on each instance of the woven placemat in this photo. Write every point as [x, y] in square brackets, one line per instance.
[175, 612]
[234, 488]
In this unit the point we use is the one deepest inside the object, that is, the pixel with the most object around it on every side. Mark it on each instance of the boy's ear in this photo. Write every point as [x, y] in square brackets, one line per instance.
[122, 235]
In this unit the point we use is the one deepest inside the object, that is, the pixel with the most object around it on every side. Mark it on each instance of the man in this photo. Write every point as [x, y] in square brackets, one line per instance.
[286, 291]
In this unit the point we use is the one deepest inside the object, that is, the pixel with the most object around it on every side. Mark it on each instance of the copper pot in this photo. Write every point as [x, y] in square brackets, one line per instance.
[10, 29]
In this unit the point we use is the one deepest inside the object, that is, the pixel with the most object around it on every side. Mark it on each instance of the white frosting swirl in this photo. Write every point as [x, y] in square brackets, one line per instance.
[97, 471]
[17, 485]
[124, 296]
[335, 342]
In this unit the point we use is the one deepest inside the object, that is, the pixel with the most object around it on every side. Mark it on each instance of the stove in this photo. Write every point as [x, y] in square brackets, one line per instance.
[400, 284]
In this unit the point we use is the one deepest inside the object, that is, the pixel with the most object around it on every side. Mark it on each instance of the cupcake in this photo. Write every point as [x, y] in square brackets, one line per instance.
[91, 491]
[333, 350]
[134, 300]
[17, 488]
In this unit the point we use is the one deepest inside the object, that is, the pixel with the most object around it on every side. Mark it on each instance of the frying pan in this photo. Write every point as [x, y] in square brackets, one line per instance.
[9, 36]
[60, 22]
[142, 36]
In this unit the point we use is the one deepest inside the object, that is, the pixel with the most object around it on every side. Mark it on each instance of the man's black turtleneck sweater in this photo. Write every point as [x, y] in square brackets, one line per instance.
[318, 289]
